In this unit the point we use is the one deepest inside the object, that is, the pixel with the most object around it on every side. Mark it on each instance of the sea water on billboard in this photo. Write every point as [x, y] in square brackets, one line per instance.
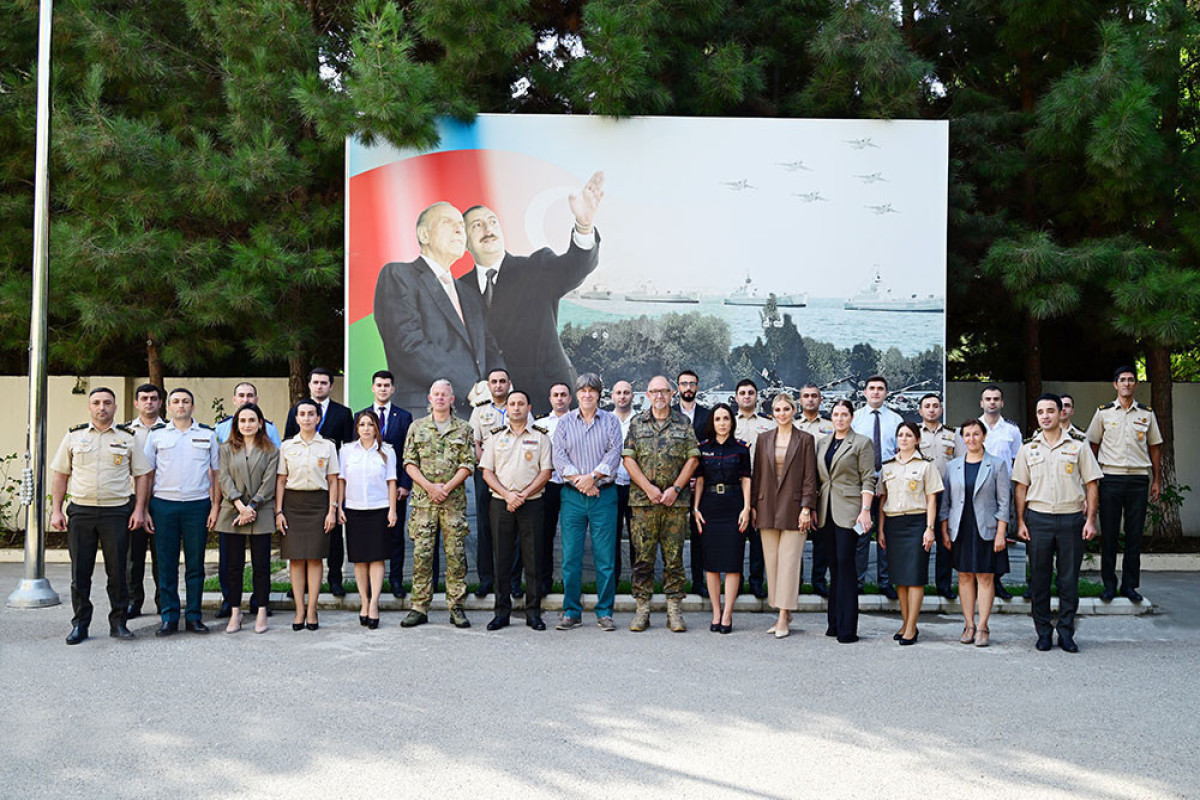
[787, 251]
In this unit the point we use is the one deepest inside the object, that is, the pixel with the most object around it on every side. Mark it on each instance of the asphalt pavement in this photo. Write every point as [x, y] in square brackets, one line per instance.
[437, 711]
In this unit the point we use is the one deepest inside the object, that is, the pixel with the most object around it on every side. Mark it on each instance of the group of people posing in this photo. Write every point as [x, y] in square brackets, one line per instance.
[725, 476]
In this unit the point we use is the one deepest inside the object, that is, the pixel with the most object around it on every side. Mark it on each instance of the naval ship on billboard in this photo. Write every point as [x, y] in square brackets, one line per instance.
[879, 297]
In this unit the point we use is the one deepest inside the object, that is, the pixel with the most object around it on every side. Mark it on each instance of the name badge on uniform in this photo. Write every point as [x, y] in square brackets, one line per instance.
[203, 443]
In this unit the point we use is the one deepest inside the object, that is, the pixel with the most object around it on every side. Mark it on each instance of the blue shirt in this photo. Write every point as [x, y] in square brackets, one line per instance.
[580, 448]
[182, 461]
[864, 423]
[225, 427]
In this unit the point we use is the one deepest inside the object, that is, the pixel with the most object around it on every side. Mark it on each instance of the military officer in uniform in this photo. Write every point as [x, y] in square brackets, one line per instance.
[1125, 438]
[1068, 413]
[99, 464]
[184, 457]
[1055, 476]
[749, 424]
[811, 422]
[486, 415]
[439, 455]
[148, 399]
[939, 444]
[516, 464]
[660, 453]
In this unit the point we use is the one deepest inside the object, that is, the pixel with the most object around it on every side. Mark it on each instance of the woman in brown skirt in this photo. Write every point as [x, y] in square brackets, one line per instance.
[306, 508]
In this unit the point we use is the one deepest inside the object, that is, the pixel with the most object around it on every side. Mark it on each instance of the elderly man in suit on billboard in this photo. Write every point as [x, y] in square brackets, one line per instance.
[430, 327]
[520, 294]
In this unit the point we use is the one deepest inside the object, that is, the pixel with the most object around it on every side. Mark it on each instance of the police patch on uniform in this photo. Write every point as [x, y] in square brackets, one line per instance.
[118, 459]
[912, 486]
[1141, 435]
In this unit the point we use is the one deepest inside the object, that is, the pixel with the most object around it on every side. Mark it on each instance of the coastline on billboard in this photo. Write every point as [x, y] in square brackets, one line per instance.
[785, 251]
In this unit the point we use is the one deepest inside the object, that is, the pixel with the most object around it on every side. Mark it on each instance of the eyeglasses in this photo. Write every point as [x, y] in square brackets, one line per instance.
[658, 391]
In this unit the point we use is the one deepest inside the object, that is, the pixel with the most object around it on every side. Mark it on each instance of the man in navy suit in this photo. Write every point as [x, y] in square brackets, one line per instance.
[393, 429]
[520, 294]
[432, 329]
[337, 425]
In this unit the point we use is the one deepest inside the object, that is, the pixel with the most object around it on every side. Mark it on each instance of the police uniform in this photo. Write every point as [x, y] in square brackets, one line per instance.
[101, 466]
[1124, 436]
[183, 462]
[817, 428]
[485, 417]
[439, 455]
[308, 467]
[517, 459]
[904, 487]
[660, 448]
[1056, 476]
[941, 445]
[141, 540]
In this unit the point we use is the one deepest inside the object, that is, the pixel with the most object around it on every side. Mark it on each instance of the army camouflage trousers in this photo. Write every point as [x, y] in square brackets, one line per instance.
[652, 527]
[422, 529]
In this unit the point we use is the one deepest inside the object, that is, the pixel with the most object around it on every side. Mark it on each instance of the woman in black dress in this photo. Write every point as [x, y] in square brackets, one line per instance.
[722, 511]
[367, 483]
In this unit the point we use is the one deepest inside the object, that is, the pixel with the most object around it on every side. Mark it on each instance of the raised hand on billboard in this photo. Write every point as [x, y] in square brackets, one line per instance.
[586, 201]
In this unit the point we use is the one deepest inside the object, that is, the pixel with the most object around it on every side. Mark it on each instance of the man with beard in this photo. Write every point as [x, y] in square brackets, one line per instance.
[622, 398]
[687, 384]
[520, 294]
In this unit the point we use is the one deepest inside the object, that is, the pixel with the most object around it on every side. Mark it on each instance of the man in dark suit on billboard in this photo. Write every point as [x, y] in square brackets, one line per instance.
[520, 294]
[430, 327]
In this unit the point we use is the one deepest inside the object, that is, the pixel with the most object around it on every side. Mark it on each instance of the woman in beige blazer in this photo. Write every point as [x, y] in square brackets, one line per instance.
[846, 471]
[784, 493]
[248, 465]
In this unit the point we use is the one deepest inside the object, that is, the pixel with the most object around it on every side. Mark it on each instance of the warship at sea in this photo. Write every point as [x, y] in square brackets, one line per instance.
[748, 295]
[646, 293]
[878, 297]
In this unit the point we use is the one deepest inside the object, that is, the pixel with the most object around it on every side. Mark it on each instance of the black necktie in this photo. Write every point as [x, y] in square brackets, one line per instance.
[382, 422]
[491, 287]
[878, 443]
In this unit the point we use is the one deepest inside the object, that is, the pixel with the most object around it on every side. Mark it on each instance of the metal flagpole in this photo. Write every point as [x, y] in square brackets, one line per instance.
[34, 590]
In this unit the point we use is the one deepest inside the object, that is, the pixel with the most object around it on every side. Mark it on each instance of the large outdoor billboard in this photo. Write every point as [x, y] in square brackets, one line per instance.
[787, 251]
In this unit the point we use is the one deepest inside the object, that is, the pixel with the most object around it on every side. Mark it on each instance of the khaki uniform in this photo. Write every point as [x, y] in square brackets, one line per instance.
[940, 446]
[308, 465]
[1055, 474]
[747, 429]
[817, 428]
[906, 483]
[517, 460]
[101, 464]
[660, 449]
[1125, 437]
[486, 419]
[439, 456]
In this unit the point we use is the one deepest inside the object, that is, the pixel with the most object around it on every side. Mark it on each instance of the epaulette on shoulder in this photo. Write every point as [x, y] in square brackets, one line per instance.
[1030, 439]
[540, 429]
[888, 460]
[487, 401]
[1146, 408]
[498, 428]
[79, 427]
[123, 427]
[1079, 437]
[202, 425]
[222, 419]
[761, 415]
[158, 425]
[950, 428]
[1107, 406]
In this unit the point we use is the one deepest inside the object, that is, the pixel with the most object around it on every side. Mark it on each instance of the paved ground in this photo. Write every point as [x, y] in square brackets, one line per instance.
[586, 714]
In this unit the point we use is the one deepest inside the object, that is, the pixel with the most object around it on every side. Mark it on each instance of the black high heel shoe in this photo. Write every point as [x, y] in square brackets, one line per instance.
[727, 628]
[362, 620]
[715, 627]
[372, 624]
[297, 626]
[312, 626]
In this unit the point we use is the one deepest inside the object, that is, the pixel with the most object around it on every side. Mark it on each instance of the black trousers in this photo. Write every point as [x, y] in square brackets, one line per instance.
[943, 561]
[1055, 540]
[820, 561]
[624, 523]
[225, 569]
[842, 544]
[140, 540]
[863, 554]
[483, 532]
[512, 531]
[89, 529]
[399, 534]
[234, 544]
[1122, 496]
[337, 555]
[551, 507]
[697, 548]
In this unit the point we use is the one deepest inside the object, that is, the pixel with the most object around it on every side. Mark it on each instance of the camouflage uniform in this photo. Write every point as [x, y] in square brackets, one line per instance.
[660, 448]
[439, 456]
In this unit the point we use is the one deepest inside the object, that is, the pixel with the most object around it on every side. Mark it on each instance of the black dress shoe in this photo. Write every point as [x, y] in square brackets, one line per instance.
[373, 624]
[484, 590]
[1067, 642]
[758, 590]
[889, 592]
[1108, 595]
[1001, 592]
[1027, 594]
[337, 590]
[906, 642]
[297, 626]
[497, 623]
[715, 627]
[536, 623]
[1132, 595]
[312, 626]
[119, 631]
[225, 612]
[77, 634]
[399, 593]
[1044, 642]
[167, 629]
[727, 628]
[897, 636]
[133, 612]
[195, 627]
[362, 620]
[821, 591]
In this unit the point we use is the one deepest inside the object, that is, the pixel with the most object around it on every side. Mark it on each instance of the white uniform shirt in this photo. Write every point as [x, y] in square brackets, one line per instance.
[367, 475]
[181, 461]
[1003, 441]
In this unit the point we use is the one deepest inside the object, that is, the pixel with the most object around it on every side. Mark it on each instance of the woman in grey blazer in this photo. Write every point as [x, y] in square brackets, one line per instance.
[248, 464]
[846, 472]
[974, 521]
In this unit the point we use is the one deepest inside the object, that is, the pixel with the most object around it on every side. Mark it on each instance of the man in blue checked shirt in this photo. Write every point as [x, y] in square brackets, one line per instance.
[587, 452]
[878, 423]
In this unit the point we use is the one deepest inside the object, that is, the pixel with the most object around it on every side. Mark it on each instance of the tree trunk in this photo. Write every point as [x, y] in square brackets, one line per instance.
[297, 391]
[154, 363]
[1158, 366]
[1033, 371]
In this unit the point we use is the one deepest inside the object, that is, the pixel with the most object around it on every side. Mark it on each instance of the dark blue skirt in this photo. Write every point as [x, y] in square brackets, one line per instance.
[908, 561]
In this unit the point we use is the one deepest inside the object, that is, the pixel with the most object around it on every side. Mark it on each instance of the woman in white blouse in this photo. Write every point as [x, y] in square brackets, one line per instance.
[367, 484]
